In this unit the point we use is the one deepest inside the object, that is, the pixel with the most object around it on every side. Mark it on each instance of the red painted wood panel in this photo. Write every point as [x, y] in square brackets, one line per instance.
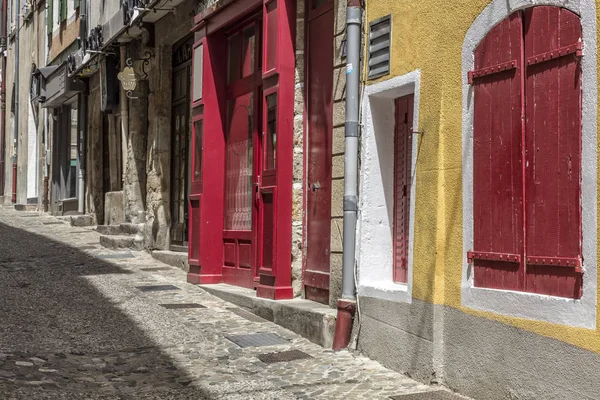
[402, 183]
[319, 129]
[553, 151]
[497, 168]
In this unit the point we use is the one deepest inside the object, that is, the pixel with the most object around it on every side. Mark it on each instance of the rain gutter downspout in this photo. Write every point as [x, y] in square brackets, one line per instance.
[82, 115]
[347, 303]
[16, 102]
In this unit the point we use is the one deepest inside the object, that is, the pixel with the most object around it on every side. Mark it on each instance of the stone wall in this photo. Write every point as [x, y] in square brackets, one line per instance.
[94, 199]
[168, 31]
[298, 171]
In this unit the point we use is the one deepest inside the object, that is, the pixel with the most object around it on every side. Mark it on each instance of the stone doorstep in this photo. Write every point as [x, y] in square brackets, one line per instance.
[121, 242]
[108, 229]
[78, 220]
[172, 258]
[26, 207]
[312, 320]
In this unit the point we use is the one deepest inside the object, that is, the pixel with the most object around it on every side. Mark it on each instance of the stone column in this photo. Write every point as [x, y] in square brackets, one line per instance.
[134, 186]
[156, 233]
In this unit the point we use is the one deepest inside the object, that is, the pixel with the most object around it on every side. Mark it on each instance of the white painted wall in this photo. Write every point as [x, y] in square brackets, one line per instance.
[582, 312]
[32, 154]
[376, 203]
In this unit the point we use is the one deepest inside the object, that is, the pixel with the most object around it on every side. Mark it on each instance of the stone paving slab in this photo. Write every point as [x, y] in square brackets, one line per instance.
[77, 327]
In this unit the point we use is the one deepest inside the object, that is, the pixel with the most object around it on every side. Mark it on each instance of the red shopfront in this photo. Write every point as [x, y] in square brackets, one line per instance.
[242, 140]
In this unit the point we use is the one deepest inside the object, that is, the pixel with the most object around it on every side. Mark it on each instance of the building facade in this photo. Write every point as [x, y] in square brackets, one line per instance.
[477, 238]
[215, 130]
[125, 117]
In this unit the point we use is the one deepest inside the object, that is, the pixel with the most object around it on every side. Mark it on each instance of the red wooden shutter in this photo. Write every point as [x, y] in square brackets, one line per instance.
[553, 151]
[402, 178]
[497, 158]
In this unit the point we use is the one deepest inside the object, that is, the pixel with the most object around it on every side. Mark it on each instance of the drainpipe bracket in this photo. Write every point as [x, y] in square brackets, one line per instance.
[351, 203]
[351, 129]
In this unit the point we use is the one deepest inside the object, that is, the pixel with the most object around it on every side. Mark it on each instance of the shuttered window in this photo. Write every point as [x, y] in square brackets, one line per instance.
[62, 10]
[527, 171]
[49, 16]
[402, 180]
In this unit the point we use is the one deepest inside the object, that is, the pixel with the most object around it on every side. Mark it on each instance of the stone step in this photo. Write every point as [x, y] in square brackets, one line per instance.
[314, 321]
[78, 220]
[26, 207]
[172, 258]
[121, 242]
[109, 229]
[128, 228]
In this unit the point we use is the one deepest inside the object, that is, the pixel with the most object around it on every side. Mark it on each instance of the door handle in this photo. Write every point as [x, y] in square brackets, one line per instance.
[315, 186]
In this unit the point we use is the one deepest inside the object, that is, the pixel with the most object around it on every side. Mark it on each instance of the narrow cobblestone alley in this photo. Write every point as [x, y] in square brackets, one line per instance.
[77, 323]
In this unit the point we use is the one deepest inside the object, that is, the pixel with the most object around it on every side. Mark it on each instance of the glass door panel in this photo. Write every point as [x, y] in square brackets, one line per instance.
[239, 164]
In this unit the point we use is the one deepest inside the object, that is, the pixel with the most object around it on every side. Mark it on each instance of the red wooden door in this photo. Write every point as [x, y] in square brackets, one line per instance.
[497, 165]
[319, 75]
[242, 157]
[553, 152]
[402, 183]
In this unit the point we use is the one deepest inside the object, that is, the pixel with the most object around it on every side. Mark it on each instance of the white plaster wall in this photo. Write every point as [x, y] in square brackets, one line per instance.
[582, 312]
[32, 155]
[376, 203]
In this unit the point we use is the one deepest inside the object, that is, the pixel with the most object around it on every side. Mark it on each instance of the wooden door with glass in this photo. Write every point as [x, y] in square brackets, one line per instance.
[242, 155]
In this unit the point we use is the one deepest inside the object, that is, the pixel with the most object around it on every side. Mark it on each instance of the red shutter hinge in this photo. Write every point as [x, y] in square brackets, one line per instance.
[489, 256]
[569, 262]
[576, 49]
[494, 69]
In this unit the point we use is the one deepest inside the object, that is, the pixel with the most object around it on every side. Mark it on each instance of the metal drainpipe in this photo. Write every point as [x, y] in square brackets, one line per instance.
[82, 117]
[47, 117]
[16, 100]
[3, 100]
[347, 303]
[124, 100]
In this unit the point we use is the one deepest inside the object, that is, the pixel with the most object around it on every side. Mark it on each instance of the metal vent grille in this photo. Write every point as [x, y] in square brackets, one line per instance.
[257, 340]
[156, 288]
[379, 46]
[283, 356]
[182, 306]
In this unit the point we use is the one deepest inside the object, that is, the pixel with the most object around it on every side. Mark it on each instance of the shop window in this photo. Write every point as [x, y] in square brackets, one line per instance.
[270, 37]
[198, 132]
[527, 171]
[197, 77]
[271, 133]
[233, 58]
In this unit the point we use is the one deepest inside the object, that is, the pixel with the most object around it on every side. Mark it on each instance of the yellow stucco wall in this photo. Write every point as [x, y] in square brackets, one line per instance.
[428, 35]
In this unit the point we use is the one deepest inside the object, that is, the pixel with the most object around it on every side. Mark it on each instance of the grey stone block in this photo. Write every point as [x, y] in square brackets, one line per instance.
[314, 321]
[173, 258]
[113, 208]
[120, 242]
[109, 229]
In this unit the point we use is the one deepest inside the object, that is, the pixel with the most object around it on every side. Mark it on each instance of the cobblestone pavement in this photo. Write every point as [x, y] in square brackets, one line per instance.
[75, 325]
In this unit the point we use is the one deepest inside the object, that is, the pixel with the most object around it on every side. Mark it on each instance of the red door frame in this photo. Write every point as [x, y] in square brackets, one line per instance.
[274, 282]
[316, 282]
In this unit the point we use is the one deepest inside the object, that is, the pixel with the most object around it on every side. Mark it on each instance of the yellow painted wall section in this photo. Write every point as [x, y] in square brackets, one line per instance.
[428, 35]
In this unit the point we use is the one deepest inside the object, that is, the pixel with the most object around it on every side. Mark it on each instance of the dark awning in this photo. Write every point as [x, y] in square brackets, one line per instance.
[59, 87]
[46, 71]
